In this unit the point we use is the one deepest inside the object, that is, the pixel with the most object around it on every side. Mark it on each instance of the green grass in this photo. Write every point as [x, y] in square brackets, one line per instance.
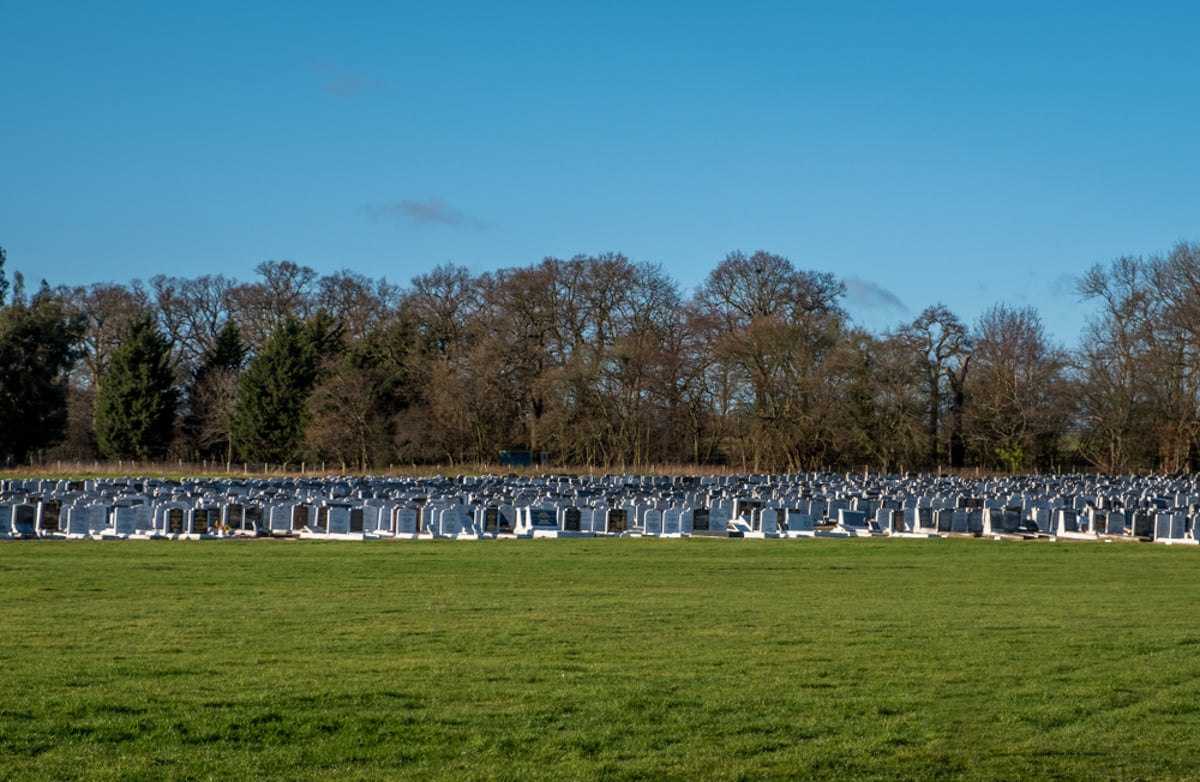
[598, 659]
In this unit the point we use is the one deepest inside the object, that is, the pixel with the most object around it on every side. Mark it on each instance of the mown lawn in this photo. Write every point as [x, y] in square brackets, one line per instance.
[598, 659]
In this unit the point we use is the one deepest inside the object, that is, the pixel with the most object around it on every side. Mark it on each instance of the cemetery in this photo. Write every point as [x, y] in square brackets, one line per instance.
[677, 633]
[1162, 509]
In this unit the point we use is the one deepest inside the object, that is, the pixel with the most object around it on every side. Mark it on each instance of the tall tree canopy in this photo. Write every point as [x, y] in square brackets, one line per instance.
[270, 414]
[38, 347]
[137, 398]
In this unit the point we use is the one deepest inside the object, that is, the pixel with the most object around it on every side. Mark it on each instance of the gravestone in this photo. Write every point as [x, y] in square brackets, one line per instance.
[1041, 519]
[378, 517]
[174, 521]
[337, 519]
[253, 516]
[407, 521]
[427, 518]
[356, 521]
[700, 520]
[572, 519]
[24, 520]
[300, 514]
[200, 521]
[235, 516]
[79, 520]
[719, 518]
[491, 520]
[508, 516]
[125, 518]
[49, 517]
[1065, 520]
[452, 521]
[653, 522]
[852, 519]
[5, 521]
[799, 522]
[925, 519]
[883, 520]
[615, 524]
[671, 518]
[770, 521]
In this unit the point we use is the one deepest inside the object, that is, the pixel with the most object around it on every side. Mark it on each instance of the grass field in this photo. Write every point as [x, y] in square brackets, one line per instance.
[598, 659]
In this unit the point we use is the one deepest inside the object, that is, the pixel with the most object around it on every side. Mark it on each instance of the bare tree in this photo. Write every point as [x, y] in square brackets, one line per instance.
[1113, 399]
[286, 290]
[1019, 405]
[358, 302]
[107, 310]
[192, 312]
[777, 324]
[941, 347]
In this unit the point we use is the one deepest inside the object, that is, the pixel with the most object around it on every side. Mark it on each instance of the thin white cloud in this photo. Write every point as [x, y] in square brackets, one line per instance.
[867, 295]
[433, 211]
[341, 82]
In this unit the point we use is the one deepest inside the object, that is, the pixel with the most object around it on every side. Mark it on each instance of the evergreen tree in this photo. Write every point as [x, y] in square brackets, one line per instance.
[270, 415]
[136, 402]
[38, 342]
[3, 279]
[212, 394]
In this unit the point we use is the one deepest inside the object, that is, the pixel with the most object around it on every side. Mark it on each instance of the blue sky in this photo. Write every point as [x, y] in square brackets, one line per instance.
[965, 153]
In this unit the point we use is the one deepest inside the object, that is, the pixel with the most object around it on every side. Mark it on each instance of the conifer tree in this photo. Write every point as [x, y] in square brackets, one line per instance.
[271, 414]
[38, 341]
[212, 394]
[137, 399]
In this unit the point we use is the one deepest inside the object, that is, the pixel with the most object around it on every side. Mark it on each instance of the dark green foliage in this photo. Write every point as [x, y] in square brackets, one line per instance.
[212, 394]
[3, 279]
[227, 353]
[354, 407]
[37, 349]
[271, 413]
[136, 402]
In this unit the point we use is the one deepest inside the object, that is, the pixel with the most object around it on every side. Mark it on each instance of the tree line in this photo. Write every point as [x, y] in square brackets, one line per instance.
[596, 361]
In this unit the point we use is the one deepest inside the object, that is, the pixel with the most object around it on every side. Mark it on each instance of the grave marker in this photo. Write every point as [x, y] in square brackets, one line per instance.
[175, 521]
[572, 519]
[48, 521]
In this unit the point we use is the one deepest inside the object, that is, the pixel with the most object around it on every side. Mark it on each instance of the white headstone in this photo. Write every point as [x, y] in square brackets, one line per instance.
[719, 519]
[125, 520]
[769, 522]
[338, 520]
[79, 520]
[851, 519]
[799, 523]
[406, 521]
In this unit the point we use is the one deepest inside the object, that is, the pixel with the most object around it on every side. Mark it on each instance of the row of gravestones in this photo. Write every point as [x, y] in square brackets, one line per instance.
[1162, 509]
[46, 518]
[1165, 493]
